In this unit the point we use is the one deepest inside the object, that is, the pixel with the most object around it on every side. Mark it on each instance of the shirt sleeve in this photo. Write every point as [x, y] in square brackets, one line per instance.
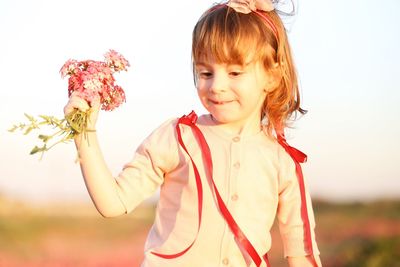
[291, 224]
[142, 176]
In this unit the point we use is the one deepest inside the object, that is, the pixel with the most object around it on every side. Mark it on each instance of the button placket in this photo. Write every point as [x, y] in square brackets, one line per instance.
[236, 165]
[225, 261]
[236, 139]
[228, 188]
[231, 189]
[234, 170]
[234, 197]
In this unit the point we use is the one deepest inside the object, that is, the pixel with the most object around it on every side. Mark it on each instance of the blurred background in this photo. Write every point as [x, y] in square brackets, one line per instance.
[347, 58]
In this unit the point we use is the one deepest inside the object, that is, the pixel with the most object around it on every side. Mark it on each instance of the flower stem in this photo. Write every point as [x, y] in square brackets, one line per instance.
[65, 129]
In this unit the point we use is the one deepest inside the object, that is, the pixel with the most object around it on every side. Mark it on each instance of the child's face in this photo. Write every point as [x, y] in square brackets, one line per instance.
[233, 94]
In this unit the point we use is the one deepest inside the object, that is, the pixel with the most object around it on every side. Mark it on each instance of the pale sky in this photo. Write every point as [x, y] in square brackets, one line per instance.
[347, 55]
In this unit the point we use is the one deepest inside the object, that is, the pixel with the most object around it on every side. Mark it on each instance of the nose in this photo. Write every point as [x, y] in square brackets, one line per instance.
[218, 83]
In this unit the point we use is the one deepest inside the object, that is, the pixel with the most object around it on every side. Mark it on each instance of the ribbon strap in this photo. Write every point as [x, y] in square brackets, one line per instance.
[188, 120]
[299, 157]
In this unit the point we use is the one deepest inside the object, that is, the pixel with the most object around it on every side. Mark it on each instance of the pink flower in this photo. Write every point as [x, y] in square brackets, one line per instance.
[95, 78]
[112, 98]
[247, 6]
[68, 68]
[90, 80]
[116, 60]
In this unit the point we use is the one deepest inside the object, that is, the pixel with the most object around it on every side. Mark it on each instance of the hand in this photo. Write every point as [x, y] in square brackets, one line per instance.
[77, 102]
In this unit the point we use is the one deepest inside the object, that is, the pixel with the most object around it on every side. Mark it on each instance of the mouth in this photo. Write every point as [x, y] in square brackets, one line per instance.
[219, 102]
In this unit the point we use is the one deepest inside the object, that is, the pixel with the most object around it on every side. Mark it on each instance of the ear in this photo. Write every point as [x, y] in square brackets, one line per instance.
[273, 78]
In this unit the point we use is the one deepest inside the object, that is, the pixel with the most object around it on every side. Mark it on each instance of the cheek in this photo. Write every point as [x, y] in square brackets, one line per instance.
[201, 94]
[201, 88]
[200, 84]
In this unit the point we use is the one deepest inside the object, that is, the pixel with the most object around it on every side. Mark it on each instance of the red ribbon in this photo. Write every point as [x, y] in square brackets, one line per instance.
[189, 120]
[299, 157]
[296, 155]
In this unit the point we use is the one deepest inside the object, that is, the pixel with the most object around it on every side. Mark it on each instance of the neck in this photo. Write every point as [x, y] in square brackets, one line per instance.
[248, 127]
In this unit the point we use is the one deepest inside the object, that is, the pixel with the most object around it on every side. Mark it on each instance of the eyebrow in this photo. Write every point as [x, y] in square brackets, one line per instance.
[204, 64]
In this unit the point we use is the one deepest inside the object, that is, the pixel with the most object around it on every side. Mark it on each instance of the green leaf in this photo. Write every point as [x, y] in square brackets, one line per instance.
[28, 130]
[13, 128]
[29, 117]
[45, 117]
[62, 130]
[35, 150]
[43, 137]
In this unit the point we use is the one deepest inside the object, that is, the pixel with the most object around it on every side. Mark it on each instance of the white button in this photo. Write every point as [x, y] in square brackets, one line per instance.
[236, 139]
[236, 165]
[225, 261]
[234, 197]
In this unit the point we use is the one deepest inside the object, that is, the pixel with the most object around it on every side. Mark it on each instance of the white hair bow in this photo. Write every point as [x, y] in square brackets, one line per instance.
[286, 9]
[247, 6]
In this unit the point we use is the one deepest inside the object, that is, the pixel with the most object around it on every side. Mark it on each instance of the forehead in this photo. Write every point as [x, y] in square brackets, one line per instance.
[210, 61]
[224, 56]
[221, 48]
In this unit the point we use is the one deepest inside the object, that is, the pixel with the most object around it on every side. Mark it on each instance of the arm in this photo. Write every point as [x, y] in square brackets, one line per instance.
[99, 181]
[291, 218]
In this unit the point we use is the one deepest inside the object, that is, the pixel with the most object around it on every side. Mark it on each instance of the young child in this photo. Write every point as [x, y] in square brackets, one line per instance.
[223, 176]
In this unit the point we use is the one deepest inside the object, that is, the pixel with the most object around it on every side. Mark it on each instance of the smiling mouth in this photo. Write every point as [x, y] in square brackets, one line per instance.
[220, 102]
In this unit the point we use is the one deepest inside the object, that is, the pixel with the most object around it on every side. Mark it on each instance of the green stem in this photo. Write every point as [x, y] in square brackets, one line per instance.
[66, 129]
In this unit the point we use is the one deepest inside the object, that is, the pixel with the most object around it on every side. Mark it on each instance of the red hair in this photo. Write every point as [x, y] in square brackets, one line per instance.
[231, 37]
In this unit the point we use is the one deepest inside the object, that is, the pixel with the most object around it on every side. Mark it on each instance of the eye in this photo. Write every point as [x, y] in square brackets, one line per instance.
[235, 73]
[235, 70]
[204, 74]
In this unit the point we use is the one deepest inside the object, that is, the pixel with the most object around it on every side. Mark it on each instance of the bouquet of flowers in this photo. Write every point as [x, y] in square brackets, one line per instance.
[89, 79]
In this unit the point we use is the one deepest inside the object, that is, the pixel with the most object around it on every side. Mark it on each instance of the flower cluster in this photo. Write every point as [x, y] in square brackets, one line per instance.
[90, 79]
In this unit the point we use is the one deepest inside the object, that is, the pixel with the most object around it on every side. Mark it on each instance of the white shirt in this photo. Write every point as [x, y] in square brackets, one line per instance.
[255, 177]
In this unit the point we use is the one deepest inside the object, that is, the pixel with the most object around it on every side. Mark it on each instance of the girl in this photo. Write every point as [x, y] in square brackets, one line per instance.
[224, 175]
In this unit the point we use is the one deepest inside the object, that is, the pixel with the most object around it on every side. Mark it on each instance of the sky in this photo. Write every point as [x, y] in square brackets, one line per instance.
[347, 57]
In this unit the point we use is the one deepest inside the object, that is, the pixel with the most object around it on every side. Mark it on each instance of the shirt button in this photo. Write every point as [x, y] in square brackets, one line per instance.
[234, 197]
[225, 261]
[236, 165]
[236, 139]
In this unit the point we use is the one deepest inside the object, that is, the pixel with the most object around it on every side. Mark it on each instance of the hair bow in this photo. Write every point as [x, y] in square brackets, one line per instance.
[286, 9]
[247, 6]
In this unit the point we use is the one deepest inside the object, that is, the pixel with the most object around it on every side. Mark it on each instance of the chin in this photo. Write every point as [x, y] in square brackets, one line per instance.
[223, 119]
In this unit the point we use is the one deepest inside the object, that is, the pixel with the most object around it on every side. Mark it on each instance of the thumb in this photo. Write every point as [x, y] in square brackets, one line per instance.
[95, 103]
[94, 112]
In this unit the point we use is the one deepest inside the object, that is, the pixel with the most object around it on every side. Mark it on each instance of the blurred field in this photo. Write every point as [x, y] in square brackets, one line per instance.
[349, 235]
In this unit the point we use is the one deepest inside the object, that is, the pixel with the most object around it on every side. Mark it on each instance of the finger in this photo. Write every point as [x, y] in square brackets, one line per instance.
[95, 103]
[76, 102]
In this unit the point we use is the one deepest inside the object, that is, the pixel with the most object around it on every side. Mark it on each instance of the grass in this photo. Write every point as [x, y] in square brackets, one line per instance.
[70, 235]
[348, 234]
